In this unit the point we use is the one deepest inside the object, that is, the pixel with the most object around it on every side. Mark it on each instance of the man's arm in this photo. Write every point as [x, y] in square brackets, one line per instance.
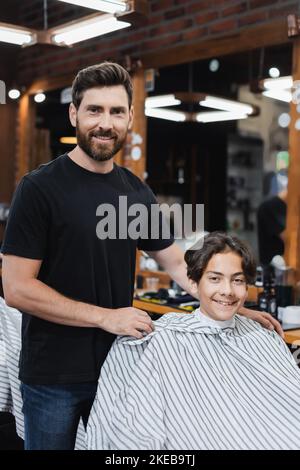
[171, 259]
[23, 291]
[265, 319]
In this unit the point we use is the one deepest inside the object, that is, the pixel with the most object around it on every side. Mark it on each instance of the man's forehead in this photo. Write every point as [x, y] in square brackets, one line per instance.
[113, 96]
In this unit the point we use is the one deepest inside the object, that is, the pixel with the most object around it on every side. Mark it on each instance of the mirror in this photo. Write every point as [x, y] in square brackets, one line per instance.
[231, 166]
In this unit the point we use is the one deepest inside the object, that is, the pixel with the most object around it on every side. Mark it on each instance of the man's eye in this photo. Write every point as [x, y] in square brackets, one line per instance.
[214, 279]
[239, 281]
[93, 110]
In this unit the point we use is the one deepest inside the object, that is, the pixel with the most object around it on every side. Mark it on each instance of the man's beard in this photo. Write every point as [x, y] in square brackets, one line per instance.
[97, 151]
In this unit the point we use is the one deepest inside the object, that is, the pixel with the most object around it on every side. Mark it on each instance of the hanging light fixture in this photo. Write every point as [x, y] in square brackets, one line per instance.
[16, 35]
[108, 6]
[225, 109]
[217, 116]
[278, 88]
[86, 29]
[161, 101]
[168, 114]
[117, 15]
[226, 105]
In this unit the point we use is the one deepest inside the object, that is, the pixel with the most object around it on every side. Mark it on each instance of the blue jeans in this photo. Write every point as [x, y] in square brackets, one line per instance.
[52, 414]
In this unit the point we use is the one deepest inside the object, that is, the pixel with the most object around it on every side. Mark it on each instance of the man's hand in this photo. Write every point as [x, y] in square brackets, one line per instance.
[265, 319]
[128, 321]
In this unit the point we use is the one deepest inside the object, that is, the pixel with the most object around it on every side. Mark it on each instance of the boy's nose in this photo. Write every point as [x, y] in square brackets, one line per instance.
[226, 288]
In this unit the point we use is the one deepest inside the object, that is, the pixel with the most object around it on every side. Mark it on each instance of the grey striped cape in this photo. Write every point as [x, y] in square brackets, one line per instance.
[185, 386]
[190, 385]
[10, 345]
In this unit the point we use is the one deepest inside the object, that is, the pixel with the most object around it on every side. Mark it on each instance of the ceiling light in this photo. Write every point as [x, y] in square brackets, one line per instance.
[226, 105]
[15, 35]
[282, 83]
[170, 115]
[87, 29]
[284, 120]
[278, 88]
[39, 97]
[108, 6]
[227, 109]
[274, 72]
[214, 65]
[281, 95]
[215, 116]
[68, 140]
[161, 101]
[14, 94]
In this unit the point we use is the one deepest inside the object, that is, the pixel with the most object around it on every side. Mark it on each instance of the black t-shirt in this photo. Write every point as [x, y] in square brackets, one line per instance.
[53, 218]
[271, 221]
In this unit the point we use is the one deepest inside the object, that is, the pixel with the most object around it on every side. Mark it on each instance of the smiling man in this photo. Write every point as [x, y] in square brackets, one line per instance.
[74, 288]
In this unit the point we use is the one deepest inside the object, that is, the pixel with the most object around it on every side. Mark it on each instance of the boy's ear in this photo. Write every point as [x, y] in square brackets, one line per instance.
[193, 286]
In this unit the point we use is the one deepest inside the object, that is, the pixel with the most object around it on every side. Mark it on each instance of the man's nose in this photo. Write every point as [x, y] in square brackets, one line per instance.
[105, 121]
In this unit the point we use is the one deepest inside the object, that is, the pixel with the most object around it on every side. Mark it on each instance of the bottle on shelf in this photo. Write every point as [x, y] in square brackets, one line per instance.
[267, 298]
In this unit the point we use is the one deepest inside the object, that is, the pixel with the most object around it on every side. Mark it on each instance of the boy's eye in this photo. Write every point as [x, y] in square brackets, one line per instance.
[239, 281]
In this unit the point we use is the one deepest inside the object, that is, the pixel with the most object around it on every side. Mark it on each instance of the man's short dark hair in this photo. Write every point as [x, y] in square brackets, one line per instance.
[104, 74]
[219, 242]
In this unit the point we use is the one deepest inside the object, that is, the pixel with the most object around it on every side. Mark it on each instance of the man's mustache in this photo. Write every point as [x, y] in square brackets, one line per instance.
[103, 134]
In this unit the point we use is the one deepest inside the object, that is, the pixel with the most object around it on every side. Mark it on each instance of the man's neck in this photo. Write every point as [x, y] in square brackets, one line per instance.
[82, 159]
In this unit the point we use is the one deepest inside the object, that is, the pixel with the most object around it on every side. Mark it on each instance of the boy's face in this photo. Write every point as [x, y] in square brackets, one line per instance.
[222, 288]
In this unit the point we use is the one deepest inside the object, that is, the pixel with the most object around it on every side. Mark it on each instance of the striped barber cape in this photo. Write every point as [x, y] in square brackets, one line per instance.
[198, 384]
[10, 346]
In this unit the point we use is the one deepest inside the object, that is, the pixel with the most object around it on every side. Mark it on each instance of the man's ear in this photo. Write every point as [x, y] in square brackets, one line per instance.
[72, 114]
[131, 115]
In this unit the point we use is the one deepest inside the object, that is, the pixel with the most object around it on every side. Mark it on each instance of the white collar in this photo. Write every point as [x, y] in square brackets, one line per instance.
[208, 321]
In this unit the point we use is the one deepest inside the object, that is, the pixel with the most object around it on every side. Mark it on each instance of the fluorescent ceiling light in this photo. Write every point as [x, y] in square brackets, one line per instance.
[108, 6]
[87, 29]
[282, 83]
[161, 101]
[226, 105]
[278, 88]
[281, 95]
[227, 109]
[215, 116]
[15, 35]
[168, 114]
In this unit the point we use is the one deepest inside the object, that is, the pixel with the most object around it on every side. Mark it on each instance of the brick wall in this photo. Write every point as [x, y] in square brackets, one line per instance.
[170, 23]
